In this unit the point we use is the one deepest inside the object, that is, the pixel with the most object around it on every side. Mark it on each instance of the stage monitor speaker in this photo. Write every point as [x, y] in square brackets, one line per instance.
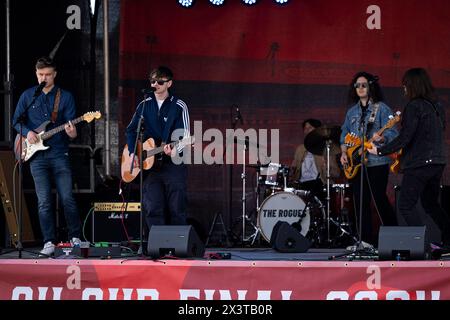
[286, 238]
[174, 240]
[403, 243]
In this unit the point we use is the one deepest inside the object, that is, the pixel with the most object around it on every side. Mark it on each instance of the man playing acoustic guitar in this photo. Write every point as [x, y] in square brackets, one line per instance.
[164, 190]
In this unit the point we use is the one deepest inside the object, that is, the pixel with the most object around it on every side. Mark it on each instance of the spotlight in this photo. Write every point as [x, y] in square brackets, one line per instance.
[281, 1]
[186, 3]
[249, 2]
[217, 2]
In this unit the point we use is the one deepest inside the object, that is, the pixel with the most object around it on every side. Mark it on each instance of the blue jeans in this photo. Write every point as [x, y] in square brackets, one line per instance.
[44, 167]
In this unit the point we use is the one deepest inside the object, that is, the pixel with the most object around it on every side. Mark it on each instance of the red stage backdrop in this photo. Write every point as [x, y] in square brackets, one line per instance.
[278, 64]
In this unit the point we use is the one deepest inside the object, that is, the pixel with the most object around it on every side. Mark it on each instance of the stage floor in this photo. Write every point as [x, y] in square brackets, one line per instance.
[248, 274]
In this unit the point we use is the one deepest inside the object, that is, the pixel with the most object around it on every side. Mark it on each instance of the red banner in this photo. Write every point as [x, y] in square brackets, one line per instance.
[218, 280]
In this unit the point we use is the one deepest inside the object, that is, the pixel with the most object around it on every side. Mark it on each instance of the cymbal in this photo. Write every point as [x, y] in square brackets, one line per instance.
[315, 141]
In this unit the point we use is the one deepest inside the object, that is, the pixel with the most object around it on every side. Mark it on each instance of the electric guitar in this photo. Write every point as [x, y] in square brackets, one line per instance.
[29, 149]
[355, 149]
[148, 156]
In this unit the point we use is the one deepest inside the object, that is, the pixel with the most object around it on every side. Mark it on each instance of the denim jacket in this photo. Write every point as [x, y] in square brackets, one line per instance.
[352, 124]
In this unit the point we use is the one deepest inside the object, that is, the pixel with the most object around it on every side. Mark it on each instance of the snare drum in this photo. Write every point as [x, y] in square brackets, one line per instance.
[283, 206]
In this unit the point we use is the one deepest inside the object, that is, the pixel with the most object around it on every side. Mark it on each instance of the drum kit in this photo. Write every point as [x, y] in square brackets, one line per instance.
[325, 221]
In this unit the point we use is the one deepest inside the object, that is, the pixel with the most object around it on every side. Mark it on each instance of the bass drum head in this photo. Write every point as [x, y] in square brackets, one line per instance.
[282, 206]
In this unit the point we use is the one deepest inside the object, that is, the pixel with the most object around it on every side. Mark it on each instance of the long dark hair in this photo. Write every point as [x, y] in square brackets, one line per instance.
[418, 84]
[375, 92]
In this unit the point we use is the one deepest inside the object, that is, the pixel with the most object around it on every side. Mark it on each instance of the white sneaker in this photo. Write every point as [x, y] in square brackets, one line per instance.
[75, 242]
[49, 249]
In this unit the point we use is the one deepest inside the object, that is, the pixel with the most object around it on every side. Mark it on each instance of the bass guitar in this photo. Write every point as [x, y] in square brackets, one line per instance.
[29, 149]
[355, 150]
[150, 151]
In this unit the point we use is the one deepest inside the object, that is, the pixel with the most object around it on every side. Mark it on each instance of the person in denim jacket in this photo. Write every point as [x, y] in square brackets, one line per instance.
[368, 115]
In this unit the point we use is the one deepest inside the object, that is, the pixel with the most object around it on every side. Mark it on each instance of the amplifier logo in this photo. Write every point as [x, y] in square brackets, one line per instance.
[115, 215]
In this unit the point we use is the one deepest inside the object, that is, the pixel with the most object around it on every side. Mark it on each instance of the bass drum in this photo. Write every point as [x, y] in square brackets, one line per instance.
[283, 206]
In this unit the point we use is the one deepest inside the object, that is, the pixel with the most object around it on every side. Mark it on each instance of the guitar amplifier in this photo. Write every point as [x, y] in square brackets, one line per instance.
[112, 221]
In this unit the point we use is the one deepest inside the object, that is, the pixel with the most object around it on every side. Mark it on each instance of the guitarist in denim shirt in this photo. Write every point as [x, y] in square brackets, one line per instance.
[424, 156]
[371, 114]
[53, 162]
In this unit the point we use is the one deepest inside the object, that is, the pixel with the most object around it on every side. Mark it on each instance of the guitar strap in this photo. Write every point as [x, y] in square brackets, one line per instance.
[56, 105]
[374, 113]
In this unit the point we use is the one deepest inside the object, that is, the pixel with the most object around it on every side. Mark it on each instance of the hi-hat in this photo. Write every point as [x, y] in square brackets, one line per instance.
[315, 141]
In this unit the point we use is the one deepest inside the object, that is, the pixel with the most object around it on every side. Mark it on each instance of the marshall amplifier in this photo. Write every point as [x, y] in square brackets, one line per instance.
[112, 221]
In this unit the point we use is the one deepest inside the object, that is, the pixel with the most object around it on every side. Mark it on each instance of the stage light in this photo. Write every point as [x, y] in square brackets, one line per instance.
[217, 2]
[281, 1]
[249, 2]
[186, 3]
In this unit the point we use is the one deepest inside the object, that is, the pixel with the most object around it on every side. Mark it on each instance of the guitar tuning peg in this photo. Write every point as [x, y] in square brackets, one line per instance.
[391, 116]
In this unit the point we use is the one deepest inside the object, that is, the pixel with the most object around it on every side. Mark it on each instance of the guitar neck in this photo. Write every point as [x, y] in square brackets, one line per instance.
[379, 132]
[160, 149]
[50, 133]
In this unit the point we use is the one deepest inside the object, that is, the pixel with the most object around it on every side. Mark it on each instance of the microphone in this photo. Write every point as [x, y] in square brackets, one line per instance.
[39, 88]
[238, 115]
[148, 90]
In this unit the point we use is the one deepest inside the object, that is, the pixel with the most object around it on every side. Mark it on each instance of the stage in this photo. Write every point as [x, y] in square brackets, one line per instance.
[248, 274]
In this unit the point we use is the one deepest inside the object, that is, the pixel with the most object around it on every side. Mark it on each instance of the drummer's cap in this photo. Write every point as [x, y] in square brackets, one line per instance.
[314, 122]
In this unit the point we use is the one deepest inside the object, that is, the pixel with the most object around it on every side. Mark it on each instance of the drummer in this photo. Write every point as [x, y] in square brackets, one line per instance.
[309, 170]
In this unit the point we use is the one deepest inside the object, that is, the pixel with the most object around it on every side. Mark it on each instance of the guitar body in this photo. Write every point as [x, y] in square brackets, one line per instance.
[148, 162]
[354, 161]
[29, 149]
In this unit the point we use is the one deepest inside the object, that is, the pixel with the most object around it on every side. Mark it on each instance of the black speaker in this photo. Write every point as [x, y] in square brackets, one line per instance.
[286, 238]
[177, 241]
[403, 243]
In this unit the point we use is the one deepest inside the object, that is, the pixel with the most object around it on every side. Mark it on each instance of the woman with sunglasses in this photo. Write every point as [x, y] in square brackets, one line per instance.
[367, 115]
[165, 119]
[422, 141]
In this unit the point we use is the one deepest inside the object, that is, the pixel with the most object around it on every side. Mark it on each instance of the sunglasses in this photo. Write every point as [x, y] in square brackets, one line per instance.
[160, 82]
[361, 85]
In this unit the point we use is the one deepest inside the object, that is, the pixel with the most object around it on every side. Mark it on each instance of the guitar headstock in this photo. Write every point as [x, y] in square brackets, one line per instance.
[89, 116]
[393, 120]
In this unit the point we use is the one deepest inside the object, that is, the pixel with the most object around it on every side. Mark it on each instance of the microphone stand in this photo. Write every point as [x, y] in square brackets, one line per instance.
[139, 140]
[358, 246]
[230, 176]
[21, 119]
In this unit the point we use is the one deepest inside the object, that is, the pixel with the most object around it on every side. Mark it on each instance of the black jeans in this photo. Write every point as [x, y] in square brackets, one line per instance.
[375, 186]
[423, 183]
[165, 195]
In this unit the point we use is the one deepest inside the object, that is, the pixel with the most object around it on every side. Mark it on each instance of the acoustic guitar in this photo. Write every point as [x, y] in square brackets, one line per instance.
[150, 151]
